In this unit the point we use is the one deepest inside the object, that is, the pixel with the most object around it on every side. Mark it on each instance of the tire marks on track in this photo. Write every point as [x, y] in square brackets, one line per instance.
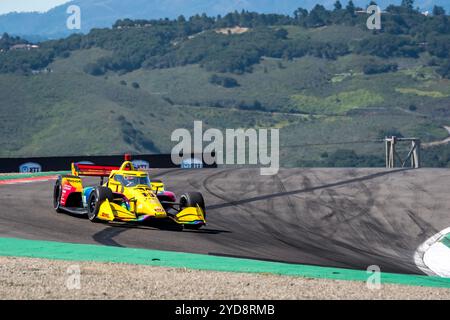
[349, 218]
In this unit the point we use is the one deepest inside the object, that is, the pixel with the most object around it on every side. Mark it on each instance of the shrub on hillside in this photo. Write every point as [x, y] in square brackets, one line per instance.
[444, 70]
[374, 68]
[94, 69]
[225, 82]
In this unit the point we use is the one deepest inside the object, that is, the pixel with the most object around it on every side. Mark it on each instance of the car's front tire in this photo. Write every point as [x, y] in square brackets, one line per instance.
[95, 200]
[193, 199]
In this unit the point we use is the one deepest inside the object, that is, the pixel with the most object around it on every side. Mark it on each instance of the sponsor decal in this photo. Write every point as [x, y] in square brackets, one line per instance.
[141, 164]
[104, 215]
[66, 191]
[77, 181]
[192, 164]
[30, 167]
[86, 162]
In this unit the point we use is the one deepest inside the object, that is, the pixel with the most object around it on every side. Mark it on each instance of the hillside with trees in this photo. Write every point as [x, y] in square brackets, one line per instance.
[170, 43]
[316, 74]
[37, 26]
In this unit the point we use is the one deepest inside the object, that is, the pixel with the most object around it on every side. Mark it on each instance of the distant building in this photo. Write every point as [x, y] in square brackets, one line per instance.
[24, 46]
[42, 71]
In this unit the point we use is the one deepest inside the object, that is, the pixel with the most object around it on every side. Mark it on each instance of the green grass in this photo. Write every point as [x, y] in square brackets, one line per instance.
[271, 82]
[336, 104]
[341, 77]
[78, 60]
[60, 114]
[421, 73]
[422, 93]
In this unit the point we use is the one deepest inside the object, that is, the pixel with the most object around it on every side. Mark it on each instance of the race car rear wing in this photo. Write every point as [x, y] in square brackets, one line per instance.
[90, 170]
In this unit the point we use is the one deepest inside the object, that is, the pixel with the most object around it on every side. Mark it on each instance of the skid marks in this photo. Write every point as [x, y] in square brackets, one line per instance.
[326, 220]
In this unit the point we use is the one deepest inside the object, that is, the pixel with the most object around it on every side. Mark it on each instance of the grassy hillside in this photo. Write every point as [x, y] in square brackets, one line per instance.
[315, 101]
[69, 112]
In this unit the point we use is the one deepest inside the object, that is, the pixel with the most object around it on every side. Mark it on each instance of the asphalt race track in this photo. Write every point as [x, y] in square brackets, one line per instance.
[350, 218]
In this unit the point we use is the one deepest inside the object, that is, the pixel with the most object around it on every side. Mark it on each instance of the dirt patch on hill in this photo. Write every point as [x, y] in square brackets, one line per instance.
[234, 30]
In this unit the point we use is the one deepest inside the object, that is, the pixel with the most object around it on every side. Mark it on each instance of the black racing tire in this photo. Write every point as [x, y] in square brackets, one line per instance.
[57, 192]
[192, 199]
[96, 198]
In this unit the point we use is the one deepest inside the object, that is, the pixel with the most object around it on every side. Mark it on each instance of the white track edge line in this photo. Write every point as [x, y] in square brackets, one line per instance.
[424, 247]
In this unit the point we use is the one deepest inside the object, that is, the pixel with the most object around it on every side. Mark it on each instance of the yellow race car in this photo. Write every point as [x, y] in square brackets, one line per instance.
[128, 195]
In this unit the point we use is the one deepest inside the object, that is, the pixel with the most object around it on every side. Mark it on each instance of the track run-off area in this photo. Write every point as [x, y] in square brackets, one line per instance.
[332, 218]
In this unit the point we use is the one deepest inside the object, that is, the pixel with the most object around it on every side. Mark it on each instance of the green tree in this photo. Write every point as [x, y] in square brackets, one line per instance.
[438, 11]
[408, 4]
[337, 6]
[318, 16]
[351, 7]
[300, 16]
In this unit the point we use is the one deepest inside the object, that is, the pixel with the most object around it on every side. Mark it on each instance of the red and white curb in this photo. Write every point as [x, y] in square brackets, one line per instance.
[26, 180]
[433, 257]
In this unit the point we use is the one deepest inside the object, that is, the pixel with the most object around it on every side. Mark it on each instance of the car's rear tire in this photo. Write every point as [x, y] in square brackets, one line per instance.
[57, 192]
[192, 199]
[96, 198]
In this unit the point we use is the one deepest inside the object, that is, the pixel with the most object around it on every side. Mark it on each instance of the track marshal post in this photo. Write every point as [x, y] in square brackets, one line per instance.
[392, 156]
